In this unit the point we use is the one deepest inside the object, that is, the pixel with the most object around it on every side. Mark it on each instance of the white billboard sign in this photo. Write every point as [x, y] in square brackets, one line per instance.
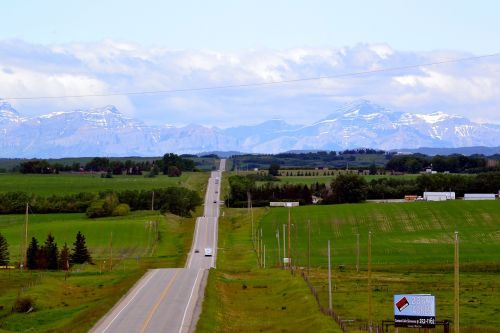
[414, 310]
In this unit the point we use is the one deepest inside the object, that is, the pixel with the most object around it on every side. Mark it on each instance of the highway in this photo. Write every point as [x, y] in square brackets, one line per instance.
[164, 300]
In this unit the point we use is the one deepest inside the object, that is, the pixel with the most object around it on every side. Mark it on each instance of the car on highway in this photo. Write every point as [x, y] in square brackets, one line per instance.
[208, 252]
[196, 251]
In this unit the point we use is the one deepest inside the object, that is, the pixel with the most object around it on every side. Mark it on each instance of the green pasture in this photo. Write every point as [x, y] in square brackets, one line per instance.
[66, 183]
[243, 298]
[130, 236]
[75, 303]
[412, 252]
[309, 180]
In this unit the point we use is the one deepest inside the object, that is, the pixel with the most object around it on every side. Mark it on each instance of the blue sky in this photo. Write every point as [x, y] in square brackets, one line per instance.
[53, 48]
[413, 25]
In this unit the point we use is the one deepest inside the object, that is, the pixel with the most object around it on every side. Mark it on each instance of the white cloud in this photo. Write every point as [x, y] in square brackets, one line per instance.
[470, 88]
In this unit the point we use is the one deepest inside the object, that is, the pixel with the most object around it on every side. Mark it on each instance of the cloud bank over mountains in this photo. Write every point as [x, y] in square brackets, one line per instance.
[470, 89]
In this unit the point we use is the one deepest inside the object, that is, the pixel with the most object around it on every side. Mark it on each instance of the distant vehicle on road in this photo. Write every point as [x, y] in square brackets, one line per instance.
[208, 252]
[196, 251]
[215, 201]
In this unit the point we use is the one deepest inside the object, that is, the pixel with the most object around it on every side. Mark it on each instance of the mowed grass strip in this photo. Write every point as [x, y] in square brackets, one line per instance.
[68, 183]
[242, 298]
[412, 252]
[76, 303]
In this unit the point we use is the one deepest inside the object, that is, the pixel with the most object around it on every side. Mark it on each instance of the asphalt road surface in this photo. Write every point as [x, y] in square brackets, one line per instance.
[164, 300]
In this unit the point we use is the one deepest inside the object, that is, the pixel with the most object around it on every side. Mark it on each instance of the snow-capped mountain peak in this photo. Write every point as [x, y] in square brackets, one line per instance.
[107, 132]
[8, 114]
[436, 117]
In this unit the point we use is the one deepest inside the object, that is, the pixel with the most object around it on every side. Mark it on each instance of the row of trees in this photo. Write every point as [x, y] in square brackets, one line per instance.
[393, 188]
[351, 188]
[176, 200]
[453, 163]
[243, 186]
[170, 164]
[47, 255]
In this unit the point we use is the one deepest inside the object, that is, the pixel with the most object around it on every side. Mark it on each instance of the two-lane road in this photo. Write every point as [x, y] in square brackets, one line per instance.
[164, 300]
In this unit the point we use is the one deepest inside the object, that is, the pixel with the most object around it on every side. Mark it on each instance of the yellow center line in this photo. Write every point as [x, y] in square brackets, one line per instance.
[155, 308]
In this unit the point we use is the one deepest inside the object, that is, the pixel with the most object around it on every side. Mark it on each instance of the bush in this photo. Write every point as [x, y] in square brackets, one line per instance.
[121, 210]
[96, 209]
[23, 304]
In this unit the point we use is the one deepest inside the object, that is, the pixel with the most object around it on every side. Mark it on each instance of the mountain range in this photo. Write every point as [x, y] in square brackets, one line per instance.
[107, 132]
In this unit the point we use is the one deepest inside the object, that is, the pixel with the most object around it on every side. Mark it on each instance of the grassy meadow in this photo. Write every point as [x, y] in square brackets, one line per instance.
[67, 183]
[77, 302]
[243, 298]
[412, 252]
[309, 180]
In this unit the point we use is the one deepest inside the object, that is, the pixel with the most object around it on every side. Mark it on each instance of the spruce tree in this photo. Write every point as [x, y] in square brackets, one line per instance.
[32, 254]
[50, 253]
[64, 258]
[80, 252]
[4, 251]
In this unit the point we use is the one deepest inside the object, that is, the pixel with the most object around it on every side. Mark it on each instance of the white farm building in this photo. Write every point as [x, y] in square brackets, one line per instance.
[479, 196]
[439, 196]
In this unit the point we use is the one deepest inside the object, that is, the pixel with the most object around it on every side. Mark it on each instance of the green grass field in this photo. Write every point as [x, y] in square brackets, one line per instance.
[75, 304]
[309, 180]
[412, 252]
[243, 298]
[65, 183]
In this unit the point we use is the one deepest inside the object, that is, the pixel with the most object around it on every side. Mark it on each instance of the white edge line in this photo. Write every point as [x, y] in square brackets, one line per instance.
[189, 300]
[214, 242]
[133, 297]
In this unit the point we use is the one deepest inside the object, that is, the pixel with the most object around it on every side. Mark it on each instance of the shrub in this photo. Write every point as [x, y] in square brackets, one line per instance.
[96, 209]
[23, 304]
[121, 210]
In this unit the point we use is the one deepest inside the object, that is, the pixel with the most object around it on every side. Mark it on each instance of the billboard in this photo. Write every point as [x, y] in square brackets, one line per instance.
[414, 310]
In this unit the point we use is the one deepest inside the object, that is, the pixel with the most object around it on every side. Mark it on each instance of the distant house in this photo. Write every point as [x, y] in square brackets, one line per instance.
[316, 200]
[479, 196]
[439, 196]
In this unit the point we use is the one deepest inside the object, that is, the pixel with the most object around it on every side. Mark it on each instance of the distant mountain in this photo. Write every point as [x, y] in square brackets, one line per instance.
[467, 151]
[107, 132]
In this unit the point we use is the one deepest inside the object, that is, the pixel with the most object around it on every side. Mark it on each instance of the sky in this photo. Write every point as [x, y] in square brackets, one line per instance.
[53, 48]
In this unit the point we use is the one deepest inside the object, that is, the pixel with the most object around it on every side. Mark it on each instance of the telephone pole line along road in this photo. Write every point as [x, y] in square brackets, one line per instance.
[164, 300]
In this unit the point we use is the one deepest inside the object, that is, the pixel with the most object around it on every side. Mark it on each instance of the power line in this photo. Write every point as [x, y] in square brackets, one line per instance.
[260, 84]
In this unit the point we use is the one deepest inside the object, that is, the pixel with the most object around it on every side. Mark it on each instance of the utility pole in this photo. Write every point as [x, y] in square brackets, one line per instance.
[111, 251]
[289, 231]
[279, 247]
[456, 322]
[295, 255]
[261, 246]
[329, 279]
[357, 253]
[370, 319]
[308, 247]
[249, 203]
[264, 255]
[284, 245]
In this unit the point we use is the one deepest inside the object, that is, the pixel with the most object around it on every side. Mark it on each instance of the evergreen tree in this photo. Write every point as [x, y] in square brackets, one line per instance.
[51, 253]
[4, 251]
[80, 252]
[32, 254]
[64, 258]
